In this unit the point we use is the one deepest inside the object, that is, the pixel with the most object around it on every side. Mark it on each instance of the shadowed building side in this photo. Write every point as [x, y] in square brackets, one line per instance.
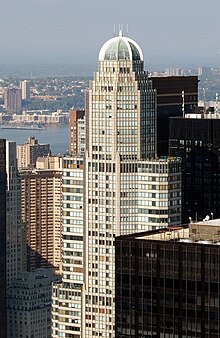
[167, 282]
[172, 92]
[3, 183]
[196, 139]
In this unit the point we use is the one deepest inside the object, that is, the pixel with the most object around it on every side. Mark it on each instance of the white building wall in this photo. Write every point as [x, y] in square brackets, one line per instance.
[66, 300]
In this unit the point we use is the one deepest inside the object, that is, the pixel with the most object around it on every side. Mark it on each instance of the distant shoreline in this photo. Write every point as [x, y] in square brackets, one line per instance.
[56, 136]
[31, 126]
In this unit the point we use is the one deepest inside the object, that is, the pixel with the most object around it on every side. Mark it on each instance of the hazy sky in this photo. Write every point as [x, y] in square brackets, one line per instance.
[170, 32]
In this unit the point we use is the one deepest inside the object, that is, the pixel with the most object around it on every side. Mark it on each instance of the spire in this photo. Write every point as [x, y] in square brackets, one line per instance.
[120, 33]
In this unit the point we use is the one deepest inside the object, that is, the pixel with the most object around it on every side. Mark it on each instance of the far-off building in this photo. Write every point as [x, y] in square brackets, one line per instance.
[167, 282]
[25, 89]
[29, 152]
[12, 99]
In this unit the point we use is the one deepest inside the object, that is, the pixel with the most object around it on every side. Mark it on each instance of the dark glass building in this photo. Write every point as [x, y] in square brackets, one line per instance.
[197, 141]
[170, 103]
[168, 282]
[3, 238]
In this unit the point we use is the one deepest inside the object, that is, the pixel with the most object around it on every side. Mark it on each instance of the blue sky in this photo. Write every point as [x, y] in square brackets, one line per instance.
[171, 32]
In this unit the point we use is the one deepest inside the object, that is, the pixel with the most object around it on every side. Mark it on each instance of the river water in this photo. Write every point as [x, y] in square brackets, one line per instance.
[57, 137]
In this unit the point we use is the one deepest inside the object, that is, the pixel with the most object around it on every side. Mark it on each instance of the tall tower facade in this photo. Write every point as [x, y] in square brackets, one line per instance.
[121, 146]
[3, 185]
[120, 104]
[13, 219]
[66, 314]
[126, 188]
[42, 214]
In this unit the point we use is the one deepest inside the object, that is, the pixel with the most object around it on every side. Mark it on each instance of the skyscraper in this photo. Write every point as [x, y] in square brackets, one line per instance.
[66, 314]
[13, 219]
[175, 94]
[125, 189]
[3, 185]
[196, 139]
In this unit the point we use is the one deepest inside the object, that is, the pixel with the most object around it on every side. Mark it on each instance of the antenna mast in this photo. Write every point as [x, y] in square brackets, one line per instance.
[216, 103]
[183, 103]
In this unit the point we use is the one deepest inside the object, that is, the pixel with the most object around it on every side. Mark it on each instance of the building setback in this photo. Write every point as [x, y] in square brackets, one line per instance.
[167, 282]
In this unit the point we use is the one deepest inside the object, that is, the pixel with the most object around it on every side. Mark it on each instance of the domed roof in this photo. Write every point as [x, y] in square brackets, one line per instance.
[120, 48]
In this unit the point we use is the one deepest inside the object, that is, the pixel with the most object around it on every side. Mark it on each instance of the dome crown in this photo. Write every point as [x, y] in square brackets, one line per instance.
[121, 48]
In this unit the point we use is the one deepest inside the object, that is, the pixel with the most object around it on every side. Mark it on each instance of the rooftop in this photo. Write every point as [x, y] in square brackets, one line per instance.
[203, 232]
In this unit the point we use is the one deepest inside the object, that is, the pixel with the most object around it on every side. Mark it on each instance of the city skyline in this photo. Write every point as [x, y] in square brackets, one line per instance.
[120, 186]
[63, 32]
